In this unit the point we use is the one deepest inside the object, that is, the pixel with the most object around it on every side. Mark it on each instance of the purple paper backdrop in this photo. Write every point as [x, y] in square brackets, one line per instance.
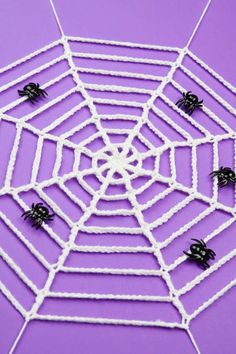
[27, 26]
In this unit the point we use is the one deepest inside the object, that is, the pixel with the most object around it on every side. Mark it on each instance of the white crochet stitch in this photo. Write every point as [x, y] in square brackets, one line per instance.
[119, 163]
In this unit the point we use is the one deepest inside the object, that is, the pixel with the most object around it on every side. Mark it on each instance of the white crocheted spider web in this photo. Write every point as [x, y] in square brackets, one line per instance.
[126, 173]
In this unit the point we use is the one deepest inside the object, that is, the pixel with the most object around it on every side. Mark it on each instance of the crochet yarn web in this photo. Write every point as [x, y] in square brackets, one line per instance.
[127, 174]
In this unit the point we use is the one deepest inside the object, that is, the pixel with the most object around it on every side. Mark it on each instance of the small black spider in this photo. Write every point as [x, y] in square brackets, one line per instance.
[32, 91]
[200, 253]
[38, 213]
[224, 175]
[190, 102]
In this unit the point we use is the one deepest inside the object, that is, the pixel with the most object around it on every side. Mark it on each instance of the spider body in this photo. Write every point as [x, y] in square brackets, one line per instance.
[190, 102]
[200, 253]
[32, 91]
[224, 175]
[39, 214]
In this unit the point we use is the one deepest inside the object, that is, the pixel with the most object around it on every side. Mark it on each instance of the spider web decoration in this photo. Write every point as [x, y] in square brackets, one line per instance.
[117, 162]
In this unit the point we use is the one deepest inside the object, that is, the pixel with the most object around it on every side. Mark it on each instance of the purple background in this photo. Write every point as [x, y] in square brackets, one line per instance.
[26, 26]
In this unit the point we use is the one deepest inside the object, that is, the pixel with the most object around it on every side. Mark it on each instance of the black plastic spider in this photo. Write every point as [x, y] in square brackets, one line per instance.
[38, 213]
[200, 253]
[32, 91]
[190, 102]
[224, 175]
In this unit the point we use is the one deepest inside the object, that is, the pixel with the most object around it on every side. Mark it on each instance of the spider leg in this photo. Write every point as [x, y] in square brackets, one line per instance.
[233, 179]
[43, 93]
[31, 99]
[37, 223]
[187, 254]
[195, 239]
[194, 258]
[38, 204]
[21, 93]
[211, 254]
[222, 183]
[34, 97]
[26, 214]
[214, 173]
[190, 110]
[203, 242]
[38, 226]
[191, 256]
[199, 104]
[205, 265]
[198, 241]
[50, 216]
[180, 102]
[221, 179]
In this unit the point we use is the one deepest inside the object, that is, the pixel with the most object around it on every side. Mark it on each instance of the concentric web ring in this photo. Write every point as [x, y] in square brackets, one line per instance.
[117, 162]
